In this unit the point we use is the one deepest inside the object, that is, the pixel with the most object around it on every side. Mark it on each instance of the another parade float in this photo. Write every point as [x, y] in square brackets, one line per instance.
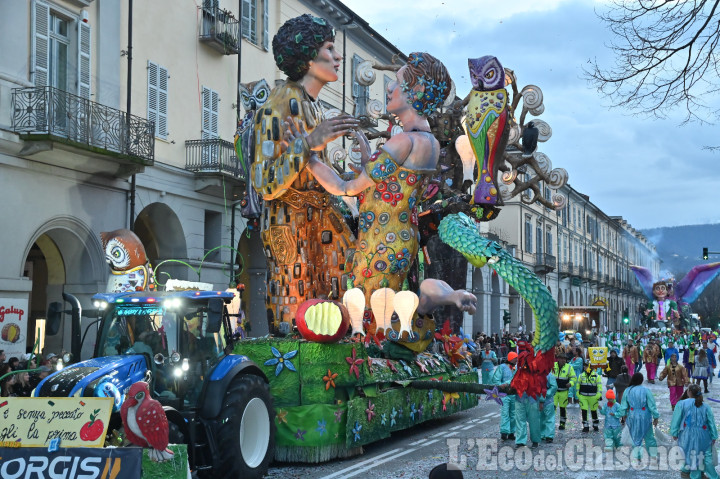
[669, 301]
[310, 391]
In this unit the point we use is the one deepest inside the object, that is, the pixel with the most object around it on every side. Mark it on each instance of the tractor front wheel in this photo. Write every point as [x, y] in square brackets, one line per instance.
[246, 435]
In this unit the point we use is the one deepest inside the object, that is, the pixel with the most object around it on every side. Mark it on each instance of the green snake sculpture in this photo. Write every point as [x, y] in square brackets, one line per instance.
[535, 360]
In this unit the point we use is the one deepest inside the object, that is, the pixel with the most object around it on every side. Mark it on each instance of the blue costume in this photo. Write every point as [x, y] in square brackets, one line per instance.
[613, 429]
[489, 359]
[527, 411]
[695, 429]
[638, 404]
[503, 375]
[547, 413]
[577, 364]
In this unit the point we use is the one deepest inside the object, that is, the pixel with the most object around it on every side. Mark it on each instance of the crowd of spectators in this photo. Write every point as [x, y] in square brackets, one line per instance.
[22, 384]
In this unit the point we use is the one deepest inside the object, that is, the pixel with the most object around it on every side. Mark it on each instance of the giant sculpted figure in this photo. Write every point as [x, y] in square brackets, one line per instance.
[305, 238]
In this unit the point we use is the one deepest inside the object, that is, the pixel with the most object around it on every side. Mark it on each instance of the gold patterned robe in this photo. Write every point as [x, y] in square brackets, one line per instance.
[306, 239]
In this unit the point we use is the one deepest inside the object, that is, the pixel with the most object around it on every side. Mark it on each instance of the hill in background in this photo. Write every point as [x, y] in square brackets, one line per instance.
[680, 247]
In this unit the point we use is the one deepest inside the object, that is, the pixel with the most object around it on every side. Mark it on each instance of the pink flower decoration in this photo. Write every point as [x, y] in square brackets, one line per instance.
[370, 411]
[354, 362]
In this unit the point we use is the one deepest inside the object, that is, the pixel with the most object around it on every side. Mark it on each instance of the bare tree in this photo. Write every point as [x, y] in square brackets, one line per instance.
[666, 56]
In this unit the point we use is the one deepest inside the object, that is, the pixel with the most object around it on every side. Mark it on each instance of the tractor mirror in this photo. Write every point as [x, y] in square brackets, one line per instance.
[54, 318]
[215, 310]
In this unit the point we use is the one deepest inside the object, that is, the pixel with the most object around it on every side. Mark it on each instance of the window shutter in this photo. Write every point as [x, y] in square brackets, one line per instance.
[158, 98]
[153, 94]
[84, 51]
[266, 36]
[162, 112]
[210, 113]
[245, 14]
[41, 43]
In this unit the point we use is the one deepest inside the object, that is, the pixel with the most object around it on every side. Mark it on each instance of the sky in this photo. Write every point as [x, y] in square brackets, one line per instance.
[651, 172]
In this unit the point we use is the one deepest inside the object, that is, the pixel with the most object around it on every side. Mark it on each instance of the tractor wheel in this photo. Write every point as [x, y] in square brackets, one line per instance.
[246, 434]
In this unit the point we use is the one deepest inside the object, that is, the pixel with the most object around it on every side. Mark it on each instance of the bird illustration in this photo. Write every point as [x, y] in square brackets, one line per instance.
[529, 139]
[145, 422]
[253, 96]
[486, 121]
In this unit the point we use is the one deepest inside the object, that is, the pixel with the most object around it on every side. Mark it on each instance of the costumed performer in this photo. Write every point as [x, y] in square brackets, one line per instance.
[547, 409]
[693, 426]
[612, 430]
[638, 405]
[503, 376]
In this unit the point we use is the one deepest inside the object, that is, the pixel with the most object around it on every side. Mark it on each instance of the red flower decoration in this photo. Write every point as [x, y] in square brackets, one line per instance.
[391, 366]
[354, 362]
[444, 404]
[445, 335]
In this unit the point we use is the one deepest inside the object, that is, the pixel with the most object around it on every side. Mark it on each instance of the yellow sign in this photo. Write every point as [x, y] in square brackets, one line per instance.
[34, 422]
[598, 357]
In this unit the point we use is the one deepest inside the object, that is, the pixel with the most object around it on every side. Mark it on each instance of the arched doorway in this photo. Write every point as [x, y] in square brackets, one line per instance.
[62, 256]
[495, 317]
[480, 323]
[160, 231]
[252, 272]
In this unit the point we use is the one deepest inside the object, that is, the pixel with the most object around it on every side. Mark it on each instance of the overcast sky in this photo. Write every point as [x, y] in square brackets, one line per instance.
[651, 172]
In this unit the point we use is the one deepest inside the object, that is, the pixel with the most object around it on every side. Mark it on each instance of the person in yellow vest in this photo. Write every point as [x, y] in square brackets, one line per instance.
[565, 377]
[589, 387]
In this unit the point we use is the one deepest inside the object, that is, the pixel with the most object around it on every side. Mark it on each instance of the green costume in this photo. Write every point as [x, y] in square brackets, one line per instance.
[503, 375]
[547, 413]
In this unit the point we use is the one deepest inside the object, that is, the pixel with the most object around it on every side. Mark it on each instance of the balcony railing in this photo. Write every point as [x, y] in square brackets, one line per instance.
[46, 113]
[212, 156]
[220, 30]
[544, 263]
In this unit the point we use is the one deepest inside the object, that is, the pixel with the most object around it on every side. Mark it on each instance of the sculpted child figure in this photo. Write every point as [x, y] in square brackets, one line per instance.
[305, 238]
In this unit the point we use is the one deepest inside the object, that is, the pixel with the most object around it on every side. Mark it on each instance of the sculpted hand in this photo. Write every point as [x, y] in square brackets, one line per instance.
[293, 133]
[364, 147]
[328, 130]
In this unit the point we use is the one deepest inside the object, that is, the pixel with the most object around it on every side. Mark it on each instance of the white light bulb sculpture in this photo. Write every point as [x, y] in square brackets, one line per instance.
[354, 301]
[382, 303]
[405, 304]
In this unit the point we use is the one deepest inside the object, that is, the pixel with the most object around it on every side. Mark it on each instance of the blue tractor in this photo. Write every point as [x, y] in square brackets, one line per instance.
[180, 343]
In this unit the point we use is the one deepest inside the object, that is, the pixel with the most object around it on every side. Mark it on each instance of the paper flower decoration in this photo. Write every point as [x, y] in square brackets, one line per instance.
[383, 419]
[282, 416]
[338, 415]
[356, 431]
[422, 367]
[322, 427]
[444, 403]
[391, 366]
[354, 301]
[495, 395]
[430, 394]
[456, 354]
[329, 379]
[370, 411]
[300, 434]
[445, 335]
[420, 411]
[405, 304]
[413, 411]
[354, 362]
[281, 360]
[382, 304]
[393, 415]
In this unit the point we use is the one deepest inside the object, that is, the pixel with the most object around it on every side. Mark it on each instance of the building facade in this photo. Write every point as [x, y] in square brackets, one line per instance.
[580, 253]
[96, 136]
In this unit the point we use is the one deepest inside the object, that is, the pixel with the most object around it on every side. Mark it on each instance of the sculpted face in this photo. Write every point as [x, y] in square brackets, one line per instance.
[660, 291]
[396, 99]
[326, 64]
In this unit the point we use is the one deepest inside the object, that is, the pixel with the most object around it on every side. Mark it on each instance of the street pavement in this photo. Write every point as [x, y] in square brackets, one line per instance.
[472, 440]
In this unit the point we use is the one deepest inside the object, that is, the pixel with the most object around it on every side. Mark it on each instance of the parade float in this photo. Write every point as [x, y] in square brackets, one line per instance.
[355, 352]
[669, 301]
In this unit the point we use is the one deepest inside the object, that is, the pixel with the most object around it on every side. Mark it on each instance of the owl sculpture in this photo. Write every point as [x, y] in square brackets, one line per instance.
[486, 122]
[130, 269]
[253, 96]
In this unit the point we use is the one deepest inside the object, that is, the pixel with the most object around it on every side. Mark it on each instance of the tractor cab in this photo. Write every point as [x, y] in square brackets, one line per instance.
[181, 336]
